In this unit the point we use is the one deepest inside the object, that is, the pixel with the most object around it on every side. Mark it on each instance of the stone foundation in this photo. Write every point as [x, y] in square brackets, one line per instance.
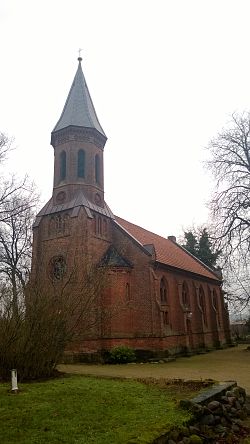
[142, 354]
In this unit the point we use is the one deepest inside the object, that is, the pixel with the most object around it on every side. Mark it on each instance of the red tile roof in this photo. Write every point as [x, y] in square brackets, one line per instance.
[167, 251]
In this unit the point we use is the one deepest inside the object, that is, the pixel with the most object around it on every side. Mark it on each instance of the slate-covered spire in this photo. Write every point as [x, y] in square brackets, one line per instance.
[79, 109]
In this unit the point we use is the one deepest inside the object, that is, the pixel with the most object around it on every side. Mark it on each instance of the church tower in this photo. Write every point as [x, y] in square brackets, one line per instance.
[73, 228]
[78, 141]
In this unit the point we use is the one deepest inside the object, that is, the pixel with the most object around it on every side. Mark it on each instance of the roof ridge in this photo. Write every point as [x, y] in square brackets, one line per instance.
[145, 229]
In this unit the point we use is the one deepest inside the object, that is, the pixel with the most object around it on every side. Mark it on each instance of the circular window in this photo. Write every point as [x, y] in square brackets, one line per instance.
[57, 267]
[60, 197]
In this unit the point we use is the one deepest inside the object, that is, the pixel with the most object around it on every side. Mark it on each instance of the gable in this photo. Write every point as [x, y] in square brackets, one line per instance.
[113, 258]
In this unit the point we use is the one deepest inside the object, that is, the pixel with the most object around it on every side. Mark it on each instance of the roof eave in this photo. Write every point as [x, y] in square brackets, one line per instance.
[210, 270]
[189, 272]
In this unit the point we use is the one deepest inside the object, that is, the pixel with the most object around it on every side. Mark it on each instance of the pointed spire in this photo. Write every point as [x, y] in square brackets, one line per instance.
[79, 109]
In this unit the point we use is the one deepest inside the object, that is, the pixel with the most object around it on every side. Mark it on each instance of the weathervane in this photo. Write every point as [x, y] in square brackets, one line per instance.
[79, 51]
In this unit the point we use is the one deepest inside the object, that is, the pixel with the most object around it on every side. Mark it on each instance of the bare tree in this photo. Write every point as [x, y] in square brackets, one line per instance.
[16, 243]
[18, 200]
[230, 205]
[12, 189]
[230, 164]
[5, 145]
[237, 282]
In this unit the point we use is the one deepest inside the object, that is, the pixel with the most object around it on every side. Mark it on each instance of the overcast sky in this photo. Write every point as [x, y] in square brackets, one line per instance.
[164, 77]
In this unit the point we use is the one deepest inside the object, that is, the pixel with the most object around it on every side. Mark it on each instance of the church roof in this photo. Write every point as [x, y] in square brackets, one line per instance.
[167, 252]
[79, 109]
[78, 201]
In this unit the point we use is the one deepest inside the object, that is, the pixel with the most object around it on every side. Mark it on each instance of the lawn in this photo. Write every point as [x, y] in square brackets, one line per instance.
[78, 409]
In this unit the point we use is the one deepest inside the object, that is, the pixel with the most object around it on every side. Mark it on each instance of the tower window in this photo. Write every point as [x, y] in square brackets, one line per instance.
[99, 226]
[97, 170]
[59, 225]
[94, 224]
[52, 226]
[63, 165]
[81, 164]
[66, 224]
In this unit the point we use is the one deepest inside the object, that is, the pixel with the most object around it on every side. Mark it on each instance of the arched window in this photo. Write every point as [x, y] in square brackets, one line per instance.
[81, 164]
[127, 292]
[97, 170]
[185, 294]
[100, 225]
[165, 318]
[94, 224]
[215, 302]
[66, 223]
[163, 291]
[59, 224]
[52, 226]
[202, 303]
[105, 229]
[209, 292]
[63, 165]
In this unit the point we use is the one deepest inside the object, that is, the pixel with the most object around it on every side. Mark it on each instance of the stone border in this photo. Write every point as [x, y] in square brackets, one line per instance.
[217, 417]
[213, 392]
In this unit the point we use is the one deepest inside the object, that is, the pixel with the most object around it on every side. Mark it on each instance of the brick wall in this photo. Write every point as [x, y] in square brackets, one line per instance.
[131, 306]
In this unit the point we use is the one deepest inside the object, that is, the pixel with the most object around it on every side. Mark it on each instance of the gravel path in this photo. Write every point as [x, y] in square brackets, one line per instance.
[222, 365]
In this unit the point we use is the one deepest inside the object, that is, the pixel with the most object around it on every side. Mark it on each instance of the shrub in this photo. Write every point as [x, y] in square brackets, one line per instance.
[33, 340]
[33, 337]
[121, 355]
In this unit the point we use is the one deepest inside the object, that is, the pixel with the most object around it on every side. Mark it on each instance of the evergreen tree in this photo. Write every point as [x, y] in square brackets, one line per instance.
[205, 250]
[191, 244]
[200, 246]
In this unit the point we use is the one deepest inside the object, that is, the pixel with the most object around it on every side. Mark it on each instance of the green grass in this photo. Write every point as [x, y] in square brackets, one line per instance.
[78, 409]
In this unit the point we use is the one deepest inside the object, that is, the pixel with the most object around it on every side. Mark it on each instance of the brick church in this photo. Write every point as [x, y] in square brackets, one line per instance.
[166, 299]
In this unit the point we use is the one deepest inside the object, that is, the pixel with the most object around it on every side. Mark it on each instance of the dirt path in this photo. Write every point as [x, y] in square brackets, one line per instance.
[221, 365]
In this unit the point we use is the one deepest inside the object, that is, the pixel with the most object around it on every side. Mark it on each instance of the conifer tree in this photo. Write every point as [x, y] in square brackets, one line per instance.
[200, 246]
[191, 243]
[206, 253]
